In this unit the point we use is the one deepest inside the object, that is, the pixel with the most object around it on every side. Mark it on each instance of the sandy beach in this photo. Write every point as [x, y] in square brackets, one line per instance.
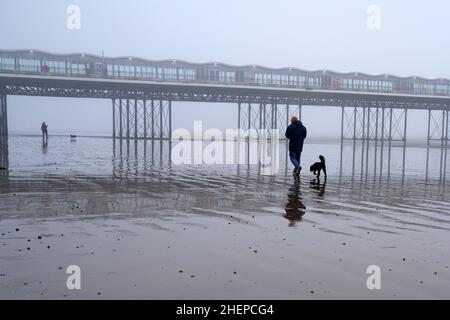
[139, 227]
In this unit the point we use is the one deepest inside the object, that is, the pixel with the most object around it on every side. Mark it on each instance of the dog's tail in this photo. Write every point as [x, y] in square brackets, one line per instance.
[322, 158]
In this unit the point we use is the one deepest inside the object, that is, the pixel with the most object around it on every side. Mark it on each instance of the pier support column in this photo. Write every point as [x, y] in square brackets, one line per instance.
[128, 119]
[368, 123]
[348, 121]
[249, 116]
[398, 121]
[383, 119]
[261, 117]
[446, 145]
[438, 126]
[390, 124]
[120, 120]
[352, 122]
[287, 114]
[170, 119]
[405, 124]
[153, 119]
[135, 119]
[145, 120]
[282, 119]
[239, 116]
[251, 119]
[4, 152]
[264, 116]
[447, 129]
[114, 120]
[275, 116]
[162, 119]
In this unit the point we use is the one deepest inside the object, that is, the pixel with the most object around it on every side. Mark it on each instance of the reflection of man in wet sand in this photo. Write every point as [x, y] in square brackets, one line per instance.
[294, 208]
[44, 133]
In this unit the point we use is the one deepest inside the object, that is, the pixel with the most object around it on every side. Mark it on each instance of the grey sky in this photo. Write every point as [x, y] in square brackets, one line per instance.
[305, 34]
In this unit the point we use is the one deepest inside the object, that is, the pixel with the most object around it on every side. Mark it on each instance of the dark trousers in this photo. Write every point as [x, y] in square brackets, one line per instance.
[44, 136]
[295, 158]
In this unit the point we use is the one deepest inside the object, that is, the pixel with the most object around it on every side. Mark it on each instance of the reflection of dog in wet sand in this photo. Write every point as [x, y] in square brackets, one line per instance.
[320, 187]
[319, 166]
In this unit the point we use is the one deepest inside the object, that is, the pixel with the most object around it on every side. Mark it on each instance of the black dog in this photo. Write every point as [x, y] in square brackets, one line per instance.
[319, 166]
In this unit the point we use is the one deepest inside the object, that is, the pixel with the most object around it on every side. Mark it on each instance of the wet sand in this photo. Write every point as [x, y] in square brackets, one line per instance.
[141, 228]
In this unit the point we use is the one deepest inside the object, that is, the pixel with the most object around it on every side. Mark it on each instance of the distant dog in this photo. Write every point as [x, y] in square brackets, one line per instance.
[319, 166]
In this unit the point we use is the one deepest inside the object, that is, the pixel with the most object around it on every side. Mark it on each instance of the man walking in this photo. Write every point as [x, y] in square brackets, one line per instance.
[296, 133]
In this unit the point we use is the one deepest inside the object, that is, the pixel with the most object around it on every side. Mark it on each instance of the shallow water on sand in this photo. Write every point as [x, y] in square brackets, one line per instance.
[140, 226]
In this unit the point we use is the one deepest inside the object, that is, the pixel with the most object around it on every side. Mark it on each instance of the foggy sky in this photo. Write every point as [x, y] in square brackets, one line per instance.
[305, 34]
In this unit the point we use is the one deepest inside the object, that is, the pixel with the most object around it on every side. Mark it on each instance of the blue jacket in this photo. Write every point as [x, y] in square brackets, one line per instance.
[296, 133]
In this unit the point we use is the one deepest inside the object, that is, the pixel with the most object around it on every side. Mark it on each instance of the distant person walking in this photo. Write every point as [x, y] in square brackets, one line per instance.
[44, 133]
[296, 133]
